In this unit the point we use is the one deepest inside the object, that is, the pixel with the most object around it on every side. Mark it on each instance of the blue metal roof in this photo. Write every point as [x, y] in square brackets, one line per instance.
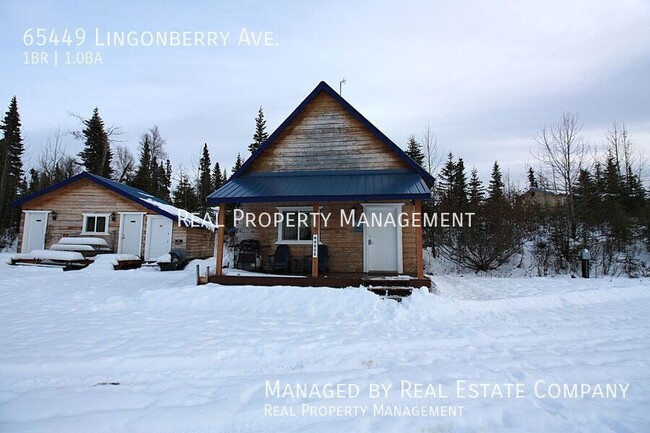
[336, 185]
[137, 195]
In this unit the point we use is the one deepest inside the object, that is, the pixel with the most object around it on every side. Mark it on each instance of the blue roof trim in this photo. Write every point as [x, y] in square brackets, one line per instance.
[319, 198]
[48, 189]
[129, 192]
[297, 173]
[324, 87]
[323, 186]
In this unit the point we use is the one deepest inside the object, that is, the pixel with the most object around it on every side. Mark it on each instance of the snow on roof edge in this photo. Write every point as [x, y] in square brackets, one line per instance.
[196, 221]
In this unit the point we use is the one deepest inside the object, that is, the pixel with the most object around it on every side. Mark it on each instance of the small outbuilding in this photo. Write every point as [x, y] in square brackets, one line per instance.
[130, 220]
[544, 197]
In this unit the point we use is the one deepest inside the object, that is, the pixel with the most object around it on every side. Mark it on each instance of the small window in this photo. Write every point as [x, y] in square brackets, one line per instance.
[296, 225]
[95, 223]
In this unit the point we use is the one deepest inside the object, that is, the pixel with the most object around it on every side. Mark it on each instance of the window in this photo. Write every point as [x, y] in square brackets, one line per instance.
[296, 226]
[96, 223]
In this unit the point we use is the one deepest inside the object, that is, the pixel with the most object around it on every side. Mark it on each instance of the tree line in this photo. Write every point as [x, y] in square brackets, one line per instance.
[577, 197]
[598, 200]
[102, 154]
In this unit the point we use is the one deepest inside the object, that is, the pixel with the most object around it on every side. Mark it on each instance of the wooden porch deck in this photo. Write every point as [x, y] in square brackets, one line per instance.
[376, 283]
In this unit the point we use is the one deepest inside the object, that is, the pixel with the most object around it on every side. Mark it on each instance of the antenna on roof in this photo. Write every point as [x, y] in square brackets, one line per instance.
[341, 83]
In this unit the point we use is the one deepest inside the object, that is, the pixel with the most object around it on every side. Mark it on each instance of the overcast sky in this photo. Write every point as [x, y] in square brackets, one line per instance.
[484, 75]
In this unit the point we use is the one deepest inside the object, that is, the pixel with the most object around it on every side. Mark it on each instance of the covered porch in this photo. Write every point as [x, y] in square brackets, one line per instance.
[359, 255]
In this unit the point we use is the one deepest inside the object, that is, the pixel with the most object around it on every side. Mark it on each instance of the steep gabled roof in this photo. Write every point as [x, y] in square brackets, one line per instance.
[136, 195]
[324, 87]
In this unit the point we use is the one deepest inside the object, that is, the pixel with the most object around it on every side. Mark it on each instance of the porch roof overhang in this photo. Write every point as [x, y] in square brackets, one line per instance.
[334, 185]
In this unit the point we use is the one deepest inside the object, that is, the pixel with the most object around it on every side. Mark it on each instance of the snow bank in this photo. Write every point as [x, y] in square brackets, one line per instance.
[107, 261]
[5, 258]
[310, 301]
[228, 256]
[10, 245]
[165, 258]
[228, 262]
[72, 247]
[50, 255]
[99, 242]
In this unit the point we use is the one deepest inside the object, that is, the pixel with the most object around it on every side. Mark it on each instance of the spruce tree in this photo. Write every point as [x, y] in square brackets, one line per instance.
[496, 186]
[11, 165]
[96, 155]
[446, 179]
[184, 195]
[459, 185]
[476, 189]
[154, 170]
[532, 180]
[238, 163]
[635, 193]
[260, 135]
[598, 176]
[160, 177]
[167, 182]
[204, 182]
[143, 176]
[414, 150]
[4, 159]
[217, 179]
[587, 200]
[613, 181]
[34, 181]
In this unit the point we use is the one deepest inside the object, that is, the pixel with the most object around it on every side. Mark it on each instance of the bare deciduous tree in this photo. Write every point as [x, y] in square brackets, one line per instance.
[157, 144]
[432, 155]
[625, 155]
[562, 152]
[53, 163]
[123, 163]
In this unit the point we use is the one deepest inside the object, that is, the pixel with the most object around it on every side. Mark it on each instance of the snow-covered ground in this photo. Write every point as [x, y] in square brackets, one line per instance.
[146, 351]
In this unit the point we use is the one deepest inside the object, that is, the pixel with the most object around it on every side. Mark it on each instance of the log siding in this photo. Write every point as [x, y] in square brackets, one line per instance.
[345, 244]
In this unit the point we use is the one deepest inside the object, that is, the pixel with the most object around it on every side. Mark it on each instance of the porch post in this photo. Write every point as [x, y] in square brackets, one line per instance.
[221, 232]
[418, 241]
[316, 234]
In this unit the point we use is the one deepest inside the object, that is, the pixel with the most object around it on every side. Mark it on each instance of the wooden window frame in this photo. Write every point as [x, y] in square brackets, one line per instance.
[296, 209]
[84, 227]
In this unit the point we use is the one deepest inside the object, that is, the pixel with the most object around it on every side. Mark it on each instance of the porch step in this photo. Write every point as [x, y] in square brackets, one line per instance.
[392, 292]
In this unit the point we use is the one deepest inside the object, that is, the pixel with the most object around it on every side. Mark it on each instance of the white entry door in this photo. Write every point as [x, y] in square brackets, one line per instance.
[382, 249]
[130, 233]
[158, 240]
[34, 231]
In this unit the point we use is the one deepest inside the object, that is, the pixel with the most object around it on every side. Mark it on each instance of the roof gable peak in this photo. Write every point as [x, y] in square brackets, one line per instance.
[323, 87]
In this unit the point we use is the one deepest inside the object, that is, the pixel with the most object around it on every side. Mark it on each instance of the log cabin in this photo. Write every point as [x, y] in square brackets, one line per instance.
[326, 158]
[129, 219]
